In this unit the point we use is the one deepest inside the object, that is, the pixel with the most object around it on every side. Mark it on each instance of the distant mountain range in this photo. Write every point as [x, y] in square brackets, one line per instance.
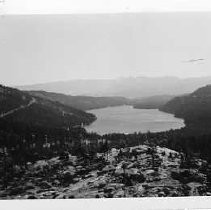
[133, 87]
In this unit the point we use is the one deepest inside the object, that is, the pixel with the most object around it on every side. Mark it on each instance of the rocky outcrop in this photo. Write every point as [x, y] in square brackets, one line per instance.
[141, 171]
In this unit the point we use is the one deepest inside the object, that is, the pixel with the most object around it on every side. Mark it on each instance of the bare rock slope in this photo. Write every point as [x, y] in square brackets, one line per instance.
[140, 171]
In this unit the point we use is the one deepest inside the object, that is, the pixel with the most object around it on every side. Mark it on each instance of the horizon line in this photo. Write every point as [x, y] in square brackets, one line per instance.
[114, 78]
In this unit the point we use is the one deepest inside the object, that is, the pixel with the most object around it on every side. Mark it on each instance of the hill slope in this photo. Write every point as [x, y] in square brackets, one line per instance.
[12, 98]
[194, 108]
[162, 173]
[152, 102]
[81, 102]
[30, 125]
[19, 107]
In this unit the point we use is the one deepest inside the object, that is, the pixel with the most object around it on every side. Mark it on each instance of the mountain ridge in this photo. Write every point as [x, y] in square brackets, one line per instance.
[130, 87]
[194, 108]
[20, 107]
[81, 102]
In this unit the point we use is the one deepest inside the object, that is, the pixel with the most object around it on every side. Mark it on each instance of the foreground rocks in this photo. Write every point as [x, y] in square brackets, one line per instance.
[140, 171]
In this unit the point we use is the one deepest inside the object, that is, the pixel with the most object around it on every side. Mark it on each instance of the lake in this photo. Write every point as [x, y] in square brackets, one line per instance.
[126, 119]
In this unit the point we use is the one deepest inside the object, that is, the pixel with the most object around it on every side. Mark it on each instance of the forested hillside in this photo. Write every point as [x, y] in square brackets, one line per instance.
[195, 108]
[81, 102]
[11, 98]
[153, 102]
[27, 123]
[19, 107]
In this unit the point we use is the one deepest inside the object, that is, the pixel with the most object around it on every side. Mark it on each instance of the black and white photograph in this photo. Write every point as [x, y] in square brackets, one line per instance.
[105, 105]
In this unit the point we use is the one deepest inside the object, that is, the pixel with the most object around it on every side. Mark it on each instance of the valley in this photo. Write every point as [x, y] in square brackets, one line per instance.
[46, 153]
[105, 105]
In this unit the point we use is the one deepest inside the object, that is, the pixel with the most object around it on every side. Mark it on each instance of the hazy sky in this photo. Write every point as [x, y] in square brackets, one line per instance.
[100, 6]
[43, 48]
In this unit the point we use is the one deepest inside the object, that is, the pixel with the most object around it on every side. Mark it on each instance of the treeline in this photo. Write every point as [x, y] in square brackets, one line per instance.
[192, 141]
[42, 144]
[33, 143]
[192, 144]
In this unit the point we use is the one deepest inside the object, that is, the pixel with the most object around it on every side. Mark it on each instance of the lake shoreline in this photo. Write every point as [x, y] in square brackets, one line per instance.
[127, 119]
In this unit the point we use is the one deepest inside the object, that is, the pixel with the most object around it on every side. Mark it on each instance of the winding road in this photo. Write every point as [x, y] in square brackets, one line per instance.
[18, 108]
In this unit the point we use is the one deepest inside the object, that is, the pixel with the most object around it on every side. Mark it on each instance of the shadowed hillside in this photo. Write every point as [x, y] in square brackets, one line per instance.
[19, 107]
[11, 98]
[195, 108]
